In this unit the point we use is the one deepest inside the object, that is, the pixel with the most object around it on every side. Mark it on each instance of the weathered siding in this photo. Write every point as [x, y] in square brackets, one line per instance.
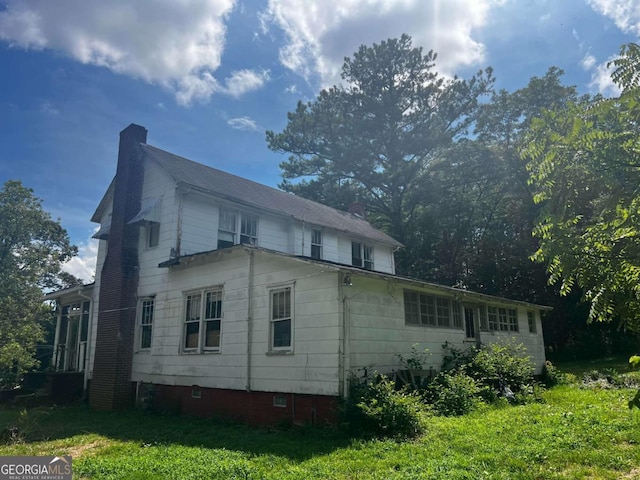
[377, 332]
[312, 366]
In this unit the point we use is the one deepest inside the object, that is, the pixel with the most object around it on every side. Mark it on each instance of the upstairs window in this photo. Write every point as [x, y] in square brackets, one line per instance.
[153, 235]
[248, 230]
[316, 244]
[226, 229]
[361, 255]
[234, 228]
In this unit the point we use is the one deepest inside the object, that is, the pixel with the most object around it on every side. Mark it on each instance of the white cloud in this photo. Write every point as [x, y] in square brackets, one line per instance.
[244, 123]
[624, 13]
[243, 81]
[588, 61]
[601, 80]
[176, 44]
[320, 33]
[83, 266]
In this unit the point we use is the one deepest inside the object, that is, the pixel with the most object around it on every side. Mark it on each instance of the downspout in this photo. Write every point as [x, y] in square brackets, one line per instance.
[249, 319]
[179, 223]
[88, 347]
[346, 353]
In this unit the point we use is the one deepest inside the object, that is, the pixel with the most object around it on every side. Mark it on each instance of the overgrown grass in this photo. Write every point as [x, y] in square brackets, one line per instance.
[577, 433]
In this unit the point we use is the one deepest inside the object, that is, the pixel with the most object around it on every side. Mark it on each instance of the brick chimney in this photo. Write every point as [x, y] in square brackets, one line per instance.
[358, 209]
[111, 387]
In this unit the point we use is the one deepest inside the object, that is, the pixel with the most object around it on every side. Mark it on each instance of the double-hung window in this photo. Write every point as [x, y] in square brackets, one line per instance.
[202, 320]
[316, 244]
[146, 323]
[226, 229]
[362, 255]
[235, 227]
[281, 319]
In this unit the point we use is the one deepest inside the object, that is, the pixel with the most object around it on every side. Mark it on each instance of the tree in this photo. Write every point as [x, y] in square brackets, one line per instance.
[372, 139]
[584, 164]
[481, 214]
[32, 249]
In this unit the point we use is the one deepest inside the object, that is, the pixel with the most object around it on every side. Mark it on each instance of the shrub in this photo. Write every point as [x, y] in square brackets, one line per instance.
[454, 358]
[454, 393]
[551, 376]
[376, 408]
[501, 366]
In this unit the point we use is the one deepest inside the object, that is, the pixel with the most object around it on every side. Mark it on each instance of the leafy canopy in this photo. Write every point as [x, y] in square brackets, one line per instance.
[371, 139]
[584, 163]
[32, 249]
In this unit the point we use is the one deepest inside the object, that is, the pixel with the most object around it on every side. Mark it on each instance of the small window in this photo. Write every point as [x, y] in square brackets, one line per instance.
[153, 235]
[279, 401]
[146, 323]
[202, 321]
[316, 244]
[367, 257]
[361, 255]
[281, 319]
[531, 318]
[248, 230]
[226, 229]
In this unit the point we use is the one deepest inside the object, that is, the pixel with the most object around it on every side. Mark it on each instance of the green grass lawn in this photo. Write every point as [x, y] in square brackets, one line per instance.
[588, 434]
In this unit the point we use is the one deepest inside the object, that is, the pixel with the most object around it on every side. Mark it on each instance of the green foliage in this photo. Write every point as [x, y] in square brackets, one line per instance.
[373, 139]
[375, 408]
[454, 393]
[576, 433]
[634, 362]
[502, 364]
[32, 249]
[583, 162]
[552, 376]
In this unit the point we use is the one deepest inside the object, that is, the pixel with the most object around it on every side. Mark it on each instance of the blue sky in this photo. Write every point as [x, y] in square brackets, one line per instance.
[208, 77]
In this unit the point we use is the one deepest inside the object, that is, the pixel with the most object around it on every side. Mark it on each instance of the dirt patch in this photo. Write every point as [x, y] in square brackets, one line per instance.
[81, 450]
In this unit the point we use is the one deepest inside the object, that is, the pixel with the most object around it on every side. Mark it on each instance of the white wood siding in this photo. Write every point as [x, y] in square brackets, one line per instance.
[377, 332]
[313, 366]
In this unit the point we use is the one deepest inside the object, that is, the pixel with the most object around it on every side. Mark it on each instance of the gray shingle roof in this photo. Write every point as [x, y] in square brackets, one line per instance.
[238, 189]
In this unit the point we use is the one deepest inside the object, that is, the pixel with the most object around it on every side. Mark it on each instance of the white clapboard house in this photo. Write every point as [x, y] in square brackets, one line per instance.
[215, 295]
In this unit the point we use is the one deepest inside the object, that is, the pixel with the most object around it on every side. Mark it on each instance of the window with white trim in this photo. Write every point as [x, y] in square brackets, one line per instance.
[316, 244]
[484, 322]
[362, 255]
[236, 227]
[431, 310]
[153, 235]
[146, 323]
[281, 318]
[202, 321]
[531, 319]
[502, 319]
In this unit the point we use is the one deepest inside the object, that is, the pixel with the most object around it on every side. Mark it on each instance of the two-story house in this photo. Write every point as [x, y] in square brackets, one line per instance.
[218, 295]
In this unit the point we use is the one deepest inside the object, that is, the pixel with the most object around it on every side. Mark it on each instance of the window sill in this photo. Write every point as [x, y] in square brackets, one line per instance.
[279, 352]
[200, 352]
